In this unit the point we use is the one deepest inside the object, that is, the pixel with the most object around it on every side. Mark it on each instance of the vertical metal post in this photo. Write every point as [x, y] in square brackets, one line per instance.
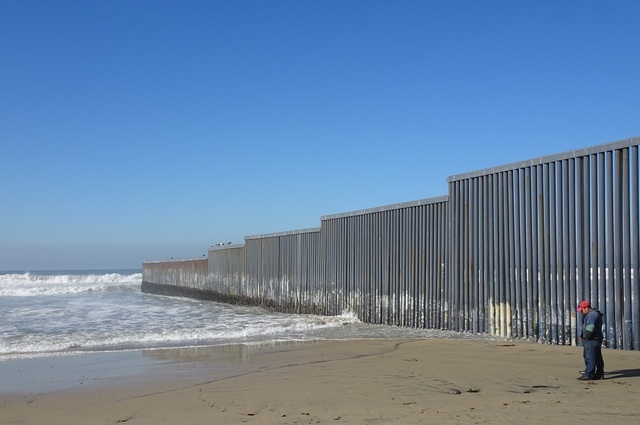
[610, 264]
[635, 246]
[627, 335]
[552, 202]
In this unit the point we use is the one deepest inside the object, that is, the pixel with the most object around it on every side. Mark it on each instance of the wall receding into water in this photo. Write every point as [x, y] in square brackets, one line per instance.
[509, 251]
[179, 277]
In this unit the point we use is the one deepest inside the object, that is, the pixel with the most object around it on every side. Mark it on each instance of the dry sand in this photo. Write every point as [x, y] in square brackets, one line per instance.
[431, 381]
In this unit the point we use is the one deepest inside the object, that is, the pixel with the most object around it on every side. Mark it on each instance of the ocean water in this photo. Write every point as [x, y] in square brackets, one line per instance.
[67, 312]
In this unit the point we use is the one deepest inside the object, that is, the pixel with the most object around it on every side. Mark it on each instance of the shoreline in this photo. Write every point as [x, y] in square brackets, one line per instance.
[66, 371]
[350, 382]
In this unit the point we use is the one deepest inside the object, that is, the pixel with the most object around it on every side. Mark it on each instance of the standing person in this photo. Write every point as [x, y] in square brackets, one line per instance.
[591, 337]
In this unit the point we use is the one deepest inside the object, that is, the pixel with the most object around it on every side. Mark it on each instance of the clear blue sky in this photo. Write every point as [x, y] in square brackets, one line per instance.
[144, 130]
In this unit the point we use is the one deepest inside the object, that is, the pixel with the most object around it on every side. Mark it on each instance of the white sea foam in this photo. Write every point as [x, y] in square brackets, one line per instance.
[51, 314]
[28, 284]
[101, 337]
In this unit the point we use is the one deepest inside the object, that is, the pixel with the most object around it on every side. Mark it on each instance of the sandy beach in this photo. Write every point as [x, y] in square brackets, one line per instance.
[379, 381]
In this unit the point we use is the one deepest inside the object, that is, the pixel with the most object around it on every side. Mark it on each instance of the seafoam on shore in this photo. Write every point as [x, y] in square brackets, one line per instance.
[50, 313]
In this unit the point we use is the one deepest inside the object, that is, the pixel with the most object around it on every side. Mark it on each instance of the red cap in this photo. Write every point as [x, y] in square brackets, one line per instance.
[583, 304]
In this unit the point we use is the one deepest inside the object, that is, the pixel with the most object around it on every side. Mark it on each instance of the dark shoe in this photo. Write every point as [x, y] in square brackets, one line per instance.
[600, 375]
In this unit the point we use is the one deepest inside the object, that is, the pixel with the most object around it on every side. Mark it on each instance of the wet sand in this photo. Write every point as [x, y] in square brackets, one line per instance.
[381, 381]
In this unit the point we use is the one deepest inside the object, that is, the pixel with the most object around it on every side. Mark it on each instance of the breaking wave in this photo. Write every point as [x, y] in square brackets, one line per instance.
[31, 284]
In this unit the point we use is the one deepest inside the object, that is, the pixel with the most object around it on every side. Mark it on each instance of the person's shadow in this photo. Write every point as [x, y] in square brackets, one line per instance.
[624, 373]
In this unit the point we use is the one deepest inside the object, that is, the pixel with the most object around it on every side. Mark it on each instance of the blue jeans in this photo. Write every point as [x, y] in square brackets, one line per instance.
[593, 361]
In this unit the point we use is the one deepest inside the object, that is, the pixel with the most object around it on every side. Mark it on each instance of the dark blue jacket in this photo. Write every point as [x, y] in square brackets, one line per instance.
[592, 325]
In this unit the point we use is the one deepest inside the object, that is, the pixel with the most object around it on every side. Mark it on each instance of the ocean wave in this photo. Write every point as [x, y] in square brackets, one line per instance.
[115, 338]
[29, 284]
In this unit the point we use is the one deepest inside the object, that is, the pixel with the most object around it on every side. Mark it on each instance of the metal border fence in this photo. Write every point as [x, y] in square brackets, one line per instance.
[510, 251]
[532, 239]
[283, 270]
[387, 264]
